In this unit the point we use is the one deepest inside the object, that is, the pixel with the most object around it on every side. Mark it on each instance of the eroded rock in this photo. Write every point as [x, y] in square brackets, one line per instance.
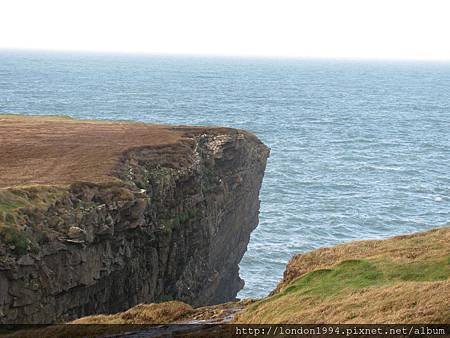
[175, 226]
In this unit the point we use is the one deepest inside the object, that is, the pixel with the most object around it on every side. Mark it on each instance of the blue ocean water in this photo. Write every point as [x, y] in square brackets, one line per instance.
[359, 149]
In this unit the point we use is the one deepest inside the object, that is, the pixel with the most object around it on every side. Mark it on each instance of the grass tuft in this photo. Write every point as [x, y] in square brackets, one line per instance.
[15, 238]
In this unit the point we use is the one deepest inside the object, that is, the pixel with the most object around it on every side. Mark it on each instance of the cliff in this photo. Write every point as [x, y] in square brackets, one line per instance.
[96, 217]
[404, 279]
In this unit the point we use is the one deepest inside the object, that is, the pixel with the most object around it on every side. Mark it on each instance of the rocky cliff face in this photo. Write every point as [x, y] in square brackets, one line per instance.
[174, 225]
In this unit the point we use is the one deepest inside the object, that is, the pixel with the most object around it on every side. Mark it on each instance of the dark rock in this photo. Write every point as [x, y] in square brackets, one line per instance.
[175, 227]
[25, 260]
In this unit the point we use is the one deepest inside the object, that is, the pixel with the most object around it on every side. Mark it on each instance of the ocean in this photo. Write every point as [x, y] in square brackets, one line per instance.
[359, 149]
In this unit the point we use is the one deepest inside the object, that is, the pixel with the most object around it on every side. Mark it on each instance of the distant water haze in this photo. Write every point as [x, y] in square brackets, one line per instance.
[359, 149]
[400, 29]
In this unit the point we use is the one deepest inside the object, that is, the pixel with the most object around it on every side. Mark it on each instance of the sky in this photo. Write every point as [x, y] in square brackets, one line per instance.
[373, 29]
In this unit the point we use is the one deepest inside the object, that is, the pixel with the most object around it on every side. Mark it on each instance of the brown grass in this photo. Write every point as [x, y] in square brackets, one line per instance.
[167, 312]
[142, 314]
[404, 279]
[402, 249]
[404, 302]
[58, 150]
[130, 320]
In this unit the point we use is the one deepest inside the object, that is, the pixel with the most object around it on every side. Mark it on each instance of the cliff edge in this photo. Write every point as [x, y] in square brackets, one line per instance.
[400, 280]
[96, 217]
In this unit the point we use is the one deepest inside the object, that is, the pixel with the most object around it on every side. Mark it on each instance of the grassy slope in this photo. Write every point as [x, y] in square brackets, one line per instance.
[401, 280]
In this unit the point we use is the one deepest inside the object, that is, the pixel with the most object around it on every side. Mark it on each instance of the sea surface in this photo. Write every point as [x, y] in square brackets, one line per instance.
[359, 149]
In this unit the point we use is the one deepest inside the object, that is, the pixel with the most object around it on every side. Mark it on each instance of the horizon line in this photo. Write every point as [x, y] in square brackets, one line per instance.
[227, 56]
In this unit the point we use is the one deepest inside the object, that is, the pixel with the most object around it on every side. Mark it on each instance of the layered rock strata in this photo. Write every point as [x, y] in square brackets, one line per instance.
[173, 224]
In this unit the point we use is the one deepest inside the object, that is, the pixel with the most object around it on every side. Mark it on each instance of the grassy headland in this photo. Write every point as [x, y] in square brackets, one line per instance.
[404, 279]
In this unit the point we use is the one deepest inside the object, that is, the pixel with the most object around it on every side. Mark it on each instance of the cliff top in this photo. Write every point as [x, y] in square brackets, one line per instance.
[163, 224]
[58, 150]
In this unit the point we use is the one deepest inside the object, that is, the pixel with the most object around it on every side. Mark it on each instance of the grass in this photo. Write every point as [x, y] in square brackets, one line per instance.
[326, 282]
[142, 314]
[11, 200]
[133, 319]
[29, 196]
[401, 280]
[11, 219]
[52, 150]
[15, 238]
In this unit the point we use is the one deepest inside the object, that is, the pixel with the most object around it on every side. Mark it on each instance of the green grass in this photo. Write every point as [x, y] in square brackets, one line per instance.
[9, 203]
[12, 201]
[360, 273]
[16, 238]
[419, 271]
[392, 266]
[326, 282]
